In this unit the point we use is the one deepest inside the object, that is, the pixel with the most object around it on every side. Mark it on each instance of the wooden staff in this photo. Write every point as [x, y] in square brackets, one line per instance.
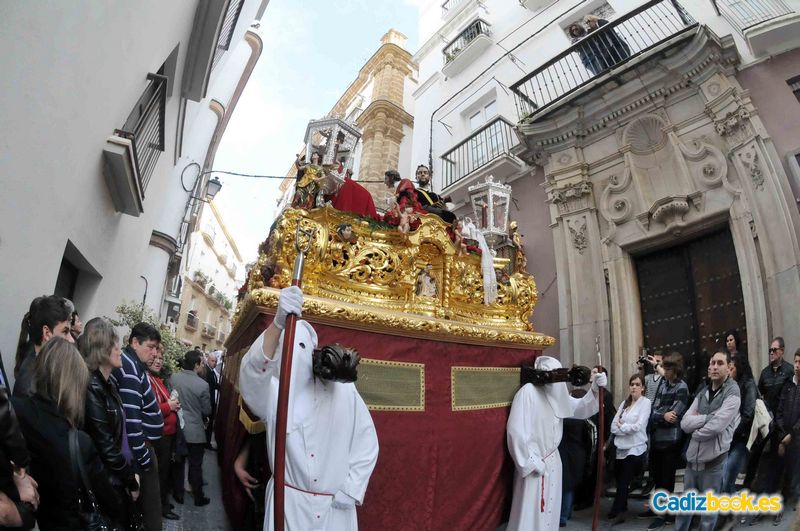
[279, 485]
[601, 439]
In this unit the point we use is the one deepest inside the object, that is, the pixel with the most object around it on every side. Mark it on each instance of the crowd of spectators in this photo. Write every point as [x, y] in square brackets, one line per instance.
[94, 435]
[734, 431]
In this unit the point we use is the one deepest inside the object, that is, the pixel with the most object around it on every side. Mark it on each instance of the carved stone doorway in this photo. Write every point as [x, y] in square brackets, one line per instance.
[690, 294]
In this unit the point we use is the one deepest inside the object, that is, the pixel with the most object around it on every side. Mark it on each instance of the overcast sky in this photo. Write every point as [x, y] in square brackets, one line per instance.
[313, 50]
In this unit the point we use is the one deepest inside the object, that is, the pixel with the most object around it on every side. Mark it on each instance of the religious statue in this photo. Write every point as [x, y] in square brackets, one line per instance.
[309, 176]
[344, 233]
[407, 217]
[516, 238]
[431, 202]
[460, 235]
[426, 283]
[405, 202]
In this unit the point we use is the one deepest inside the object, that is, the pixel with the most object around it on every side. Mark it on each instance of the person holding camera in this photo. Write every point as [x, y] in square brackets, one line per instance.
[670, 403]
[650, 366]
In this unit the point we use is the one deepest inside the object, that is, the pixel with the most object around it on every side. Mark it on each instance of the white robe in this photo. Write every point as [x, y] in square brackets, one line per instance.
[331, 443]
[533, 433]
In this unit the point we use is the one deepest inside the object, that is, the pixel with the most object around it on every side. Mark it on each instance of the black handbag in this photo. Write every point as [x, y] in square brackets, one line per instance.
[91, 517]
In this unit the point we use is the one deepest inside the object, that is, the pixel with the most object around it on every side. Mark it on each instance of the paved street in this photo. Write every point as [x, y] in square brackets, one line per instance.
[208, 518]
[212, 517]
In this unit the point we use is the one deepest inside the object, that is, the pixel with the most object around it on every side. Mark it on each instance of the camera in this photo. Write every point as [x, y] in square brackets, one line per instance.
[646, 363]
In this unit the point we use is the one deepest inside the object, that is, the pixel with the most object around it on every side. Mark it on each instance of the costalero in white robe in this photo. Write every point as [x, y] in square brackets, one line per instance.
[331, 444]
[534, 431]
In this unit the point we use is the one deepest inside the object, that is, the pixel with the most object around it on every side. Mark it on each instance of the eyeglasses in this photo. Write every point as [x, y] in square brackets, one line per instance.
[422, 172]
[773, 350]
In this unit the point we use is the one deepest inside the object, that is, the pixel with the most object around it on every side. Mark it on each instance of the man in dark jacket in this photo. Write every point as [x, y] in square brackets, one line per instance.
[210, 377]
[763, 468]
[774, 375]
[787, 428]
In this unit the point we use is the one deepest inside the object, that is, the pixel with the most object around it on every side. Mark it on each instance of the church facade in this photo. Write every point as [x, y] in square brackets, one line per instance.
[653, 161]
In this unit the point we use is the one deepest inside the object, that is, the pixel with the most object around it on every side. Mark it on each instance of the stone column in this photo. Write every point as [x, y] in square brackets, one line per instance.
[581, 281]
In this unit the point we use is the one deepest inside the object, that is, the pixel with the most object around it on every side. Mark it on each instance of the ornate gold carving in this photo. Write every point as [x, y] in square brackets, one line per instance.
[347, 315]
[377, 270]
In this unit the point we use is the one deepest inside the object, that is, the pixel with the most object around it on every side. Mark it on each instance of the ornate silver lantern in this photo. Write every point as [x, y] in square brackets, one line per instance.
[490, 203]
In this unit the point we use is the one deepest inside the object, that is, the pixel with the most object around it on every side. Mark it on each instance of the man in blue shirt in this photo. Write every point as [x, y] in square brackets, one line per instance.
[143, 420]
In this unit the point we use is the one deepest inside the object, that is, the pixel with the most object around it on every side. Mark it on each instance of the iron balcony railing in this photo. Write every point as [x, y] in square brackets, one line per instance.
[145, 128]
[209, 330]
[483, 146]
[597, 52]
[744, 14]
[226, 33]
[457, 45]
[192, 321]
[450, 4]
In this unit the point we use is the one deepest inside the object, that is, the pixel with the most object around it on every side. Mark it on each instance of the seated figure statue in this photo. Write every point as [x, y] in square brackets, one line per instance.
[431, 202]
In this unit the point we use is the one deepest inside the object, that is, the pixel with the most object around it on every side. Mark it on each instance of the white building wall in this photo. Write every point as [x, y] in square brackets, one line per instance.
[522, 41]
[533, 37]
[72, 75]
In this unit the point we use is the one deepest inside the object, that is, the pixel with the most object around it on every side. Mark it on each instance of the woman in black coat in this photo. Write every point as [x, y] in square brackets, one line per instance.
[99, 346]
[18, 495]
[60, 378]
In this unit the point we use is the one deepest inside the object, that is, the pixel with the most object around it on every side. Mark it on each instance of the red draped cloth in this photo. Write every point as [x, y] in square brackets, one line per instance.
[437, 468]
[352, 197]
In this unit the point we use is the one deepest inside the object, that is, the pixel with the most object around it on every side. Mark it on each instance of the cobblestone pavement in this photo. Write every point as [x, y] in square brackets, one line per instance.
[212, 516]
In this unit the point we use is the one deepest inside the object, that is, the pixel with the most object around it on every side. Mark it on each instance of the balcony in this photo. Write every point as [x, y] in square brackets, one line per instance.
[466, 47]
[209, 330]
[534, 5]
[449, 7]
[131, 153]
[768, 26]
[192, 321]
[226, 33]
[214, 25]
[601, 56]
[488, 149]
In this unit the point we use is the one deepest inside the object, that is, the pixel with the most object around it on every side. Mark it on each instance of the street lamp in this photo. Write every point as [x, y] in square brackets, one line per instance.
[490, 202]
[213, 186]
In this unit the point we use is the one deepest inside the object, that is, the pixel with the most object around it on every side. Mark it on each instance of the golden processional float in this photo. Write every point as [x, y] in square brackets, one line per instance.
[442, 334]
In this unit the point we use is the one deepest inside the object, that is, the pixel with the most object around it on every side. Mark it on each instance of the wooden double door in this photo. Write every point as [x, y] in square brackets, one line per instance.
[691, 294]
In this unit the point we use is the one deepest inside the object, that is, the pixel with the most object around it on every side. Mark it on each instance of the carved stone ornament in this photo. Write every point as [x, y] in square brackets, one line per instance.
[732, 122]
[579, 239]
[540, 158]
[671, 212]
[751, 162]
[571, 197]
